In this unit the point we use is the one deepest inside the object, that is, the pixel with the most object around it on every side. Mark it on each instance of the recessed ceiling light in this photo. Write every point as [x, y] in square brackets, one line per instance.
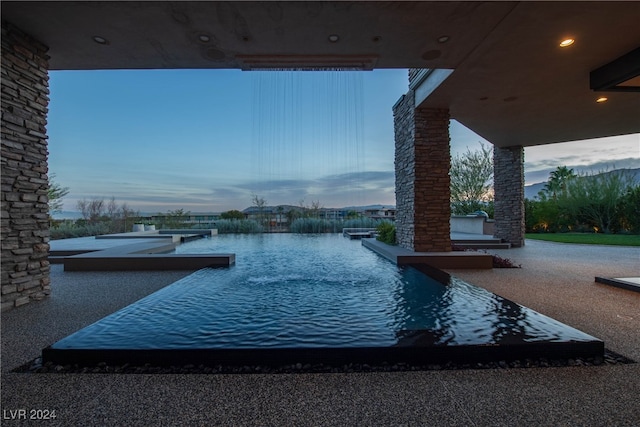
[443, 39]
[567, 42]
[100, 40]
[602, 99]
[333, 38]
[204, 38]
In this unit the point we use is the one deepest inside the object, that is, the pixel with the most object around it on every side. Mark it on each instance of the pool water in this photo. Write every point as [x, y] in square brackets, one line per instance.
[314, 291]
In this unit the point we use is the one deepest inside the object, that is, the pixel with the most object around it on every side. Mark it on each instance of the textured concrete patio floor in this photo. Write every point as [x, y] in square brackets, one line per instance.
[555, 279]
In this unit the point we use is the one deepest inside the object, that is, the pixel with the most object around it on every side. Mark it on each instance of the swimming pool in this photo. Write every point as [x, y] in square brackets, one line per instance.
[300, 296]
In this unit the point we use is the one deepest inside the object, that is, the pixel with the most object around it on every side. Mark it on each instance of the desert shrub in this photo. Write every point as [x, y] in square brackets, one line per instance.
[471, 179]
[238, 226]
[606, 202]
[386, 232]
[315, 225]
[360, 223]
[628, 210]
[68, 230]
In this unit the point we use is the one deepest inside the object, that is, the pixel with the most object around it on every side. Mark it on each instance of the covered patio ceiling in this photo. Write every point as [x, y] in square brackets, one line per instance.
[512, 83]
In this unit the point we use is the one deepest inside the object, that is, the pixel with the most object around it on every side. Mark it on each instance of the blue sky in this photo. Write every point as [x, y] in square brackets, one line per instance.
[207, 140]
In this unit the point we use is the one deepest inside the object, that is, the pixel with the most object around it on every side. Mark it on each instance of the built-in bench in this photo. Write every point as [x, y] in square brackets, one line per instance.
[442, 260]
[151, 250]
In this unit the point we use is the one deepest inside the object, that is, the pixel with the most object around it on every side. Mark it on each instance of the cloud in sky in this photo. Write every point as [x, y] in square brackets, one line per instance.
[541, 170]
[588, 156]
[206, 140]
[348, 189]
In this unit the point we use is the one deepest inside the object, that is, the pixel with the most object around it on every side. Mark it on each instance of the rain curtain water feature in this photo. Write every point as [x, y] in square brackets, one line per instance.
[307, 136]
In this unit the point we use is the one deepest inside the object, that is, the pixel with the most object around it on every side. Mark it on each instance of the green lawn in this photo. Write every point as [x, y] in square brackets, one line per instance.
[588, 238]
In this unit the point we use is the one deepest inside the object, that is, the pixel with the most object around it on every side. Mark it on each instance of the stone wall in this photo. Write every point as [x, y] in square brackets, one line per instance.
[432, 182]
[404, 128]
[414, 73]
[422, 162]
[25, 224]
[508, 177]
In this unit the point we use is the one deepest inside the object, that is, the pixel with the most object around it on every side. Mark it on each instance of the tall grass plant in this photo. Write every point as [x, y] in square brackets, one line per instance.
[238, 226]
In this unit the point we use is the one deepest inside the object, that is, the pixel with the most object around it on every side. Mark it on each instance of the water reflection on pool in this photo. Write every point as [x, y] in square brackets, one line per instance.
[310, 291]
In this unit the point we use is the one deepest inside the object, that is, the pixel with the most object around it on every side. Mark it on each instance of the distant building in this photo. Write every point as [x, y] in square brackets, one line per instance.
[381, 213]
[277, 216]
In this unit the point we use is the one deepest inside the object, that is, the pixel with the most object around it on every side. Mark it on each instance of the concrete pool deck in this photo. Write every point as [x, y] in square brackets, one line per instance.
[555, 279]
[134, 251]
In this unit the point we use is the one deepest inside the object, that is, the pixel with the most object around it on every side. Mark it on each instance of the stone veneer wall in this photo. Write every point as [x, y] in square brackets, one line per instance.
[404, 128]
[422, 163]
[413, 73]
[508, 177]
[24, 209]
[433, 185]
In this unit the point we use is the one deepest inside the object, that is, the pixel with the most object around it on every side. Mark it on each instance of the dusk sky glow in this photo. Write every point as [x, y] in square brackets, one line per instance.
[206, 140]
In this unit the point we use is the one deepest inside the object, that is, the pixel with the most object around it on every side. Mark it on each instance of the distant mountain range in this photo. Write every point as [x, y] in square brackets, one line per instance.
[531, 191]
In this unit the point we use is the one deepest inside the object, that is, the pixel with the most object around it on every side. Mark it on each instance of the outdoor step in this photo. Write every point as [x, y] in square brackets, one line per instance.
[482, 245]
[470, 241]
[441, 260]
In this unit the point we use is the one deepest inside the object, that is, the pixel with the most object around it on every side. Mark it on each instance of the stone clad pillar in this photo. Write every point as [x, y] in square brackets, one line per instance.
[25, 217]
[432, 182]
[404, 129]
[422, 163]
[508, 184]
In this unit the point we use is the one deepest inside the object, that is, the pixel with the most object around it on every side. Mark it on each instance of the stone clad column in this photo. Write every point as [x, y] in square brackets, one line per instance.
[404, 129]
[432, 182]
[508, 184]
[422, 163]
[25, 217]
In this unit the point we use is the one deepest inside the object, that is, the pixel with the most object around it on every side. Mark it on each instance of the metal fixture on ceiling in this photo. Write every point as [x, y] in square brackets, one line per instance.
[307, 62]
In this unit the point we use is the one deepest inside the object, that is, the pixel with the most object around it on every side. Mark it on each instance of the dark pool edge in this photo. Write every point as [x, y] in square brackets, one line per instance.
[457, 354]
[412, 351]
[35, 366]
[421, 349]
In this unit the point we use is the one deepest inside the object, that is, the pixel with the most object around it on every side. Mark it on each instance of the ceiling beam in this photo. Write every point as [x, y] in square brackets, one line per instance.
[620, 75]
